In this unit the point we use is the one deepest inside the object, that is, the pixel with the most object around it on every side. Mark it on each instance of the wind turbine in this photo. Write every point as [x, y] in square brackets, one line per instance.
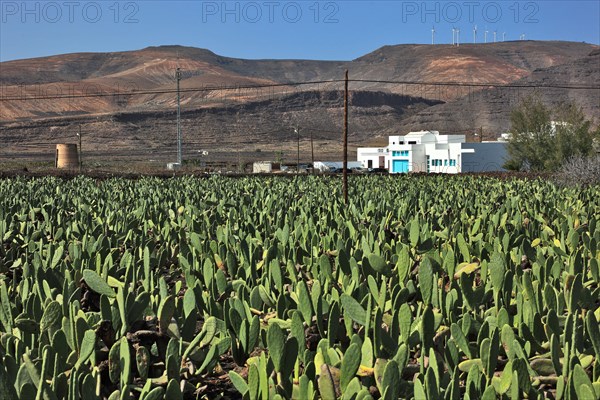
[503, 36]
[494, 36]
[475, 34]
[485, 36]
[457, 37]
[433, 35]
[453, 33]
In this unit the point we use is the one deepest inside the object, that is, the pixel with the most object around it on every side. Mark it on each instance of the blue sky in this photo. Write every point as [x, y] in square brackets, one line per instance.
[329, 30]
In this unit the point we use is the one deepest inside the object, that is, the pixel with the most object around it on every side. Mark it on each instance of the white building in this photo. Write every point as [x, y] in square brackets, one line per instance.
[428, 151]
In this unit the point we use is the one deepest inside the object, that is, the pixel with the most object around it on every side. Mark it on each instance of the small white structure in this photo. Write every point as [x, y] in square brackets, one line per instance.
[265, 167]
[327, 166]
[428, 151]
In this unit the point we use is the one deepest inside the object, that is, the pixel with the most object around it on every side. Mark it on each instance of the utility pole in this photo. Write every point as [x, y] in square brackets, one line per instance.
[80, 162]
[297, 130]
[312, 152]
[345, 165]
[178, 75]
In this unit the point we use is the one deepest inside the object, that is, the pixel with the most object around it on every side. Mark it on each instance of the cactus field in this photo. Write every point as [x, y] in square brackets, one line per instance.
[424, 287]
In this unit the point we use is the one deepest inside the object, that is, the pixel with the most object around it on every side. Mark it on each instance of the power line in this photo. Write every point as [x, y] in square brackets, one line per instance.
[168, 91]
[295, 84]
[473, 84]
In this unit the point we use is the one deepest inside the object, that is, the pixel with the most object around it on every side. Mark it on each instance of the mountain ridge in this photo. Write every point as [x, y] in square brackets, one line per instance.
[393, 78]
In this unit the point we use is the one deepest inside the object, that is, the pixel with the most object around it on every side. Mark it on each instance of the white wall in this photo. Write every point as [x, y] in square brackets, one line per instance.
[366, 154]
[419, 159]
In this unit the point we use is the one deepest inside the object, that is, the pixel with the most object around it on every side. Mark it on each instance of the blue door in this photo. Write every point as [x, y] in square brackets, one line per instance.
[400, 166]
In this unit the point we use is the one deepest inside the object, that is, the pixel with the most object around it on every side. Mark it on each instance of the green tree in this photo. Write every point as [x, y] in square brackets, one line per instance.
[543, 138]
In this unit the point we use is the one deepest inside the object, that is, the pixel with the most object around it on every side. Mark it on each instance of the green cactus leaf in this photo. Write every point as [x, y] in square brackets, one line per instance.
[419, 390]
[415, 229]
[328, 388]
[405, 320]
[463, 247]
[350, 364]
[367, 353]
[466, 269]
[489, 393]
[403, 264]
[378, 372]
[326, 266]
[502, 383]
[431, 384]
[426, 280]
[353, 309]
[239, 382]
[543, 366]
[461, 340]
[508, 337]
[581, 380]
[379, 264]
[427, 328]
[116, 395]
[305, 304]
[142, 360]
[496, 269]
[352, 389]
[592, 326]
[7, 388]
[276, 343]
[52, 316]
[466, 365]
[97, 284]
[158, 393]
[166, 310]
[173, 391]
[88, 346]
[253, 382]
[520, 368]
[124, 362]
[391, 380]
[114, 363]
